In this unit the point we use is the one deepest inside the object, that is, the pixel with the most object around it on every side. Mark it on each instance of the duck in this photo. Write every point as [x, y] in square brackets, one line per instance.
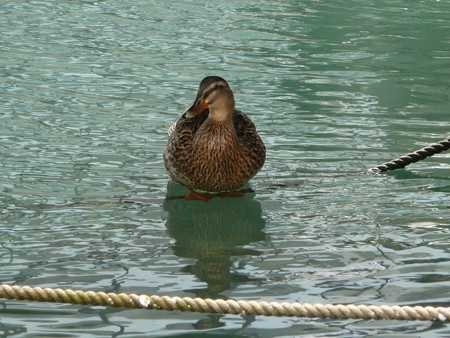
[213, 148]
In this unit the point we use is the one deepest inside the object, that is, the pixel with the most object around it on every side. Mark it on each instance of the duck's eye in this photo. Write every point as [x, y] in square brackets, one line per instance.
[216, 87]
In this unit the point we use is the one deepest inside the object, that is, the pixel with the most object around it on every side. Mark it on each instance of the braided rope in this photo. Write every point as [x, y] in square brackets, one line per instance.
[413, 157]
[229, 306]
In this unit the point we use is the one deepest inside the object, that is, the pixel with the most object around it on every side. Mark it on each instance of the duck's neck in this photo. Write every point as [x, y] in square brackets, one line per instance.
[222, 109]
[218, 130]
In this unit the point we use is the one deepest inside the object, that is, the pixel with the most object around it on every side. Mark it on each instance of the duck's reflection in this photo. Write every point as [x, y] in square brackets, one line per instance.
[213, 233]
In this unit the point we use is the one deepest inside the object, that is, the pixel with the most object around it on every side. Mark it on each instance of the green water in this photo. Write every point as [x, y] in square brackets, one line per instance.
[88, 90]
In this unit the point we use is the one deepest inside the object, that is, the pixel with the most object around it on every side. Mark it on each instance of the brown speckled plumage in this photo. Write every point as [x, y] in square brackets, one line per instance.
[217, 148]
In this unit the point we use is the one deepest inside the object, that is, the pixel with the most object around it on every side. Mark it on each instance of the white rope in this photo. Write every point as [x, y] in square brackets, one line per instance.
[350, 311]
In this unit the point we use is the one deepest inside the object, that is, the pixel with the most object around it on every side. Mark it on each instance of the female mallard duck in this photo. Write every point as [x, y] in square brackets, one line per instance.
[213, 147]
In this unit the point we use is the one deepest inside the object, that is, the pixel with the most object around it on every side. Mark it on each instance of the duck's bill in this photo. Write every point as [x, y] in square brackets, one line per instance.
[197, 107]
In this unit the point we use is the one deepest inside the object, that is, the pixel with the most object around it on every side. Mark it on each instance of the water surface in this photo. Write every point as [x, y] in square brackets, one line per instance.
[88, 90]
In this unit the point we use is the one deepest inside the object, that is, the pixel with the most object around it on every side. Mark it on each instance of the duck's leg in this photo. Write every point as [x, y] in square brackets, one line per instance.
[235, 193]
[199, 196]
[205, 197]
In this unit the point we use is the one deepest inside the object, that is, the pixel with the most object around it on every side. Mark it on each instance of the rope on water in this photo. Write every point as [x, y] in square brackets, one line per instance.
[413, 157]
[229, 306]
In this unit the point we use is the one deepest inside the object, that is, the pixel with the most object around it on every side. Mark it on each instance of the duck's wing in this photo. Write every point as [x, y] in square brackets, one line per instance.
[243, 125]
[249, 137]
[178, 150]
[172, 128]
[187, 125]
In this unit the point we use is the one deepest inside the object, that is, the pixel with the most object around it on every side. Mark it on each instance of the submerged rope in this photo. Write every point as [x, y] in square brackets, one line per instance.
[229, 306]
[413, 157]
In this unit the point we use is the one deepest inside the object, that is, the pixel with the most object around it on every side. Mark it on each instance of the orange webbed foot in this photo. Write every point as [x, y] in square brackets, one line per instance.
[205, 196]
[199, 196]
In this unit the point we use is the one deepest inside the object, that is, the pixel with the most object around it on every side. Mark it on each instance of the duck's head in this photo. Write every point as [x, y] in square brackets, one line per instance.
[213, 93]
